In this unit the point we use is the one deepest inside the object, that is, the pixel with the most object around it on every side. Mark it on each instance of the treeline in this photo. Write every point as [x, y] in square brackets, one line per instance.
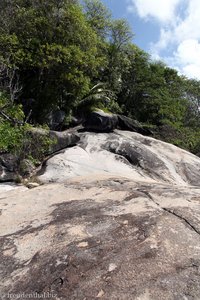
[64, 55]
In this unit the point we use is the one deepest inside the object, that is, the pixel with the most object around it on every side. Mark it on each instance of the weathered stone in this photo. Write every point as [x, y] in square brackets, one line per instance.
[125, 123]
[8, 164]
[100, 121]
[62, 140]
[5, 175]
[70, 240]
[9, 161]
[123, 222]
[126, 154]
[32, 185]
[55, 119]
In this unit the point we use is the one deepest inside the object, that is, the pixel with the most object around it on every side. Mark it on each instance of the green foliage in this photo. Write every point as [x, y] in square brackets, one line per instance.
[54, 50]
[134, 81]
[152, 92]
[21, 142]
[99, 97]
[10, 137]
[35, 144]
[17, 137]
[98, 16]
[184, 137]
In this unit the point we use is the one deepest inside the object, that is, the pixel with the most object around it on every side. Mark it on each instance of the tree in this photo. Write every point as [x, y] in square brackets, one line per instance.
[164, 103]
[192, 94]
[99, 17]
[118, 61]
[135, 81]
[53, 49]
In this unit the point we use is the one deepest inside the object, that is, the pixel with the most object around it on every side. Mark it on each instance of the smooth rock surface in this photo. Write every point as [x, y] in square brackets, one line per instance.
[126, 154]
[120, 221]
[10, 167]
[105, 236]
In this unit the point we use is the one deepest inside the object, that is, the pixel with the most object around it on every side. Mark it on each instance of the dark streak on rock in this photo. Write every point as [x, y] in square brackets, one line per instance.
[182, 218]
[172, 212]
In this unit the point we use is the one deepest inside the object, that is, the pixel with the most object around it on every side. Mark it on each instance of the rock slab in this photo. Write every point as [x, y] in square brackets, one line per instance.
[127, 154]
[118, 217]
[104, 237]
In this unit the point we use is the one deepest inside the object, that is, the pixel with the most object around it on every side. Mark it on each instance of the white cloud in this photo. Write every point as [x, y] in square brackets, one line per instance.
[179, 22]
[188, 51]
[163, 11]
[192, 71]
[164, 40]
[187, 55]
[189, 26]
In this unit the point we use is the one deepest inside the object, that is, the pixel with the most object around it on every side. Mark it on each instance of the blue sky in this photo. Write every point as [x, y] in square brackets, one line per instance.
[168, 29]
[144, 33]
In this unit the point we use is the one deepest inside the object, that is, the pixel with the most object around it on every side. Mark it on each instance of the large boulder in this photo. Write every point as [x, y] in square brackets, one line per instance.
[12, 166]
[121, 222]
[60, 140]
[127, 154]
[56, 119]
[125, 123]
[100, 121]
[101, 237]
[8, 166]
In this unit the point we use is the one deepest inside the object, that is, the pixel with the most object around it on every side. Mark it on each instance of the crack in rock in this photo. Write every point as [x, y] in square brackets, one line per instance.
[172, 212]
[182, 218]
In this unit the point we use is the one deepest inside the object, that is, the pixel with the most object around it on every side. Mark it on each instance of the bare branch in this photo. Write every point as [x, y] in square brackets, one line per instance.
[9, 81]
[28, 116]
[10, 119]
